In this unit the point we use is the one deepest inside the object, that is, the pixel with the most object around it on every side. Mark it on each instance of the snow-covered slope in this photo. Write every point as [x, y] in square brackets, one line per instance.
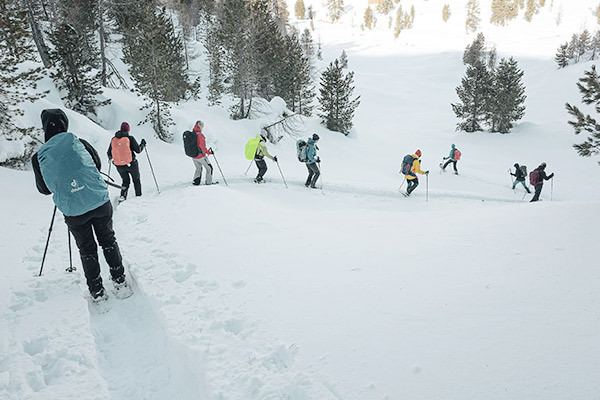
[245, 291]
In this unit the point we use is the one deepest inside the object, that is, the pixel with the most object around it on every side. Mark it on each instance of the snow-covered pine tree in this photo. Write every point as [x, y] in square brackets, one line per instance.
[508, 96]
[293, 82]
[595, 46]
[18, 81]
[583, 43]
[308, 45]
[589, 87]
[343, 60]
[474, 94]
[336, 106]
[72, 70]
[562, 57]
[475, 52]
[216, 60]
[473, 16]
[154, 54]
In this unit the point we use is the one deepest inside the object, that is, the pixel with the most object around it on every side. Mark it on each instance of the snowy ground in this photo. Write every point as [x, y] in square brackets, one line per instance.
[463, 291]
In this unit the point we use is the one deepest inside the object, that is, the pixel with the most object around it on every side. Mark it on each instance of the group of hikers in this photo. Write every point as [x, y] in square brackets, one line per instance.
[69, 168]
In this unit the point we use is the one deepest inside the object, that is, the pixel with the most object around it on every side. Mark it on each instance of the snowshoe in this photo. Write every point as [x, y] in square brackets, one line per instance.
[122, 290]
[99, 301]
[121, 199]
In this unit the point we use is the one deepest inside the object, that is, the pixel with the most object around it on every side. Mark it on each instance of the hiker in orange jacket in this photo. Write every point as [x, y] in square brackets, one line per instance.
[201, 160]
[121, 152]
[411, 178]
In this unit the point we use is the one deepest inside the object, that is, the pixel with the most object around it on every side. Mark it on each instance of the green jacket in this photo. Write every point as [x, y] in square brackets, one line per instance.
[261, 150]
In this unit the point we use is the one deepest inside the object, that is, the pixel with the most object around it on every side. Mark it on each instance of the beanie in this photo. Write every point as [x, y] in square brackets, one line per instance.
[418, 153]
[124, 127]
[315, 137]
[54, 121]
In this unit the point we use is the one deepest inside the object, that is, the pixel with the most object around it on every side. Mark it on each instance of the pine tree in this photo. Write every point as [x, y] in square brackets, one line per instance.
[475, 52]
[583, 43]
[73, 72]
[589, 87]
[562, 57]
[335, 8]
[473, 16]
[16, 79]
[343, 60]
[474, 94]
[216, 60]
[154, 54]
[300, 9]
[595, 45]
[446, 12]
[508, 96]
[336, 107]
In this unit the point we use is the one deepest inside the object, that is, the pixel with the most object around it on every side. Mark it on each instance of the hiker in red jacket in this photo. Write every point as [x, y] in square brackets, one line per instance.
[121, 152]
[201, 160]
[537, 178]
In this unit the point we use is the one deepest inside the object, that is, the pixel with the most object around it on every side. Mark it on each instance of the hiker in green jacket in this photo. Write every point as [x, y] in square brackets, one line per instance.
[259, 157]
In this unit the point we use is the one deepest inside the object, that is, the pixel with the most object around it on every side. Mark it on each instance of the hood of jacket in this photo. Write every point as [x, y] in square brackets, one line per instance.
[54, 121]
[310, 141]
[120, 134]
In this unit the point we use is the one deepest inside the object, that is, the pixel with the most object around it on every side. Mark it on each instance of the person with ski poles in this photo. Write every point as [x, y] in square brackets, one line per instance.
[121, 152]
[453, 158]
[259, 157]
[411, 167]
[201, 160]
[311, 161]
[69, 168]
[537, 178]
[519, 177]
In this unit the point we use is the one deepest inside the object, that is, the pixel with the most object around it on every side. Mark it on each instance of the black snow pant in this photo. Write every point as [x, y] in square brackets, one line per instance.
[261, 164]
[313, 175]
[448, 162]
[412, 185]
[83, 227]
[538, 191]
[133, 170]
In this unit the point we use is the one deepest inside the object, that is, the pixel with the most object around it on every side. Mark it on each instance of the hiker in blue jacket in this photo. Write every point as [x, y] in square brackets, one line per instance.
[311, 161]
[451, 159]
[68, 168]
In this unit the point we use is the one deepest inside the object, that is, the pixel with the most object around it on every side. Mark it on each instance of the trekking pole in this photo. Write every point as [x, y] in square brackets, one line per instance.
[320, 176]
[47, 240]
[551, 188]
[277, 162]
[152, 169]
[109, 165]
[426, 187]
[71, 267]
[248, 169]
[218, 166]
[402, 184]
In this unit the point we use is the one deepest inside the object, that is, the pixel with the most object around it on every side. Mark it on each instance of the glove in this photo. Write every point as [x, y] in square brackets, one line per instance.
[275, 158]
[551, 175]
[426, 172]
[445, 158]
[318, 159]
[210, 151]
[143, 142]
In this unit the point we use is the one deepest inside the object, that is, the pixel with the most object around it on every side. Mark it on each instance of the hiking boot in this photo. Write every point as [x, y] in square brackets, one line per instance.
[99, 295]
[258, 180]
[196, 182]
[121, 199]
[313, 187]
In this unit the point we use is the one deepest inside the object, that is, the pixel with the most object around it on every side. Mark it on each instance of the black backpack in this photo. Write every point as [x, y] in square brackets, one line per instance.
[190, 145]
[407, 163]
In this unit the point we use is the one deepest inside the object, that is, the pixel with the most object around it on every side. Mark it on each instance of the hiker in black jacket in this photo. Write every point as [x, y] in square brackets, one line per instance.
[124, 159]
[537, 178]
[519, 178]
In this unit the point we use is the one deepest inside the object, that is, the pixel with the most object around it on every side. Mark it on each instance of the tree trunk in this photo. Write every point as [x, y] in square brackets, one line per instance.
[38, 38]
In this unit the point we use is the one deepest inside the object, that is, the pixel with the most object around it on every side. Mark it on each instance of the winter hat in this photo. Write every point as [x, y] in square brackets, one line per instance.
[543, 165]
[418, 153]
[124, 127]
[315, 137]
[516, 165]
[54, 121]
[453, 146]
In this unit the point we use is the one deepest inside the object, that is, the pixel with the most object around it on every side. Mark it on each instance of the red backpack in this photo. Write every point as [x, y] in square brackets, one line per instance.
[456, 154]
[121, 152]
[534, 177]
